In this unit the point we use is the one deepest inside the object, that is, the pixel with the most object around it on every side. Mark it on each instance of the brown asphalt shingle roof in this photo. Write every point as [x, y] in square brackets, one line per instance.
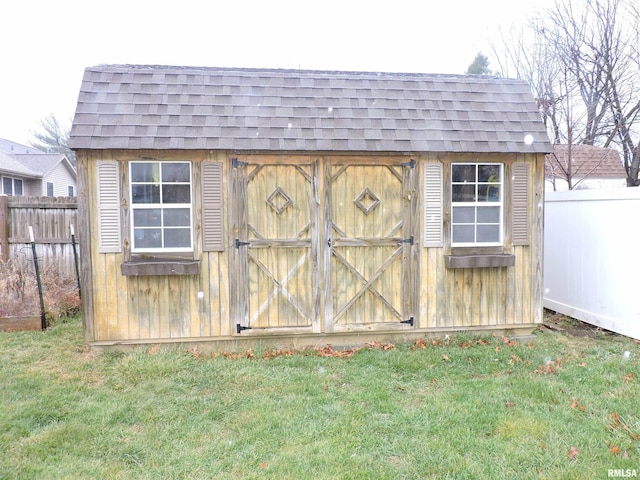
[161, 107]
[586, 161]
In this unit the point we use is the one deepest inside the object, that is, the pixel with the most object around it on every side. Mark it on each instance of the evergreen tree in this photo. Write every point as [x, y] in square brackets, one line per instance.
[53, 138]
[479, 66]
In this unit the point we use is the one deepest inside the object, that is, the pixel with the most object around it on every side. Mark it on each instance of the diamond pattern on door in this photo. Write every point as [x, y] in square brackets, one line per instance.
[367, 245]
[279, 290]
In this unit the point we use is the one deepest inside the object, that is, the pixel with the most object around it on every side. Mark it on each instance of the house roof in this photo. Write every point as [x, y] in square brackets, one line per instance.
[9, 165]
[586, 161]
[32, 165]
[7, 146]
[164, 107]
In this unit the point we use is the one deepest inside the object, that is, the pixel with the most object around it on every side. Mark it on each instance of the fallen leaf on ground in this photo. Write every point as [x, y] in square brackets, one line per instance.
[420, 343]
[573, 453]
[328, 351]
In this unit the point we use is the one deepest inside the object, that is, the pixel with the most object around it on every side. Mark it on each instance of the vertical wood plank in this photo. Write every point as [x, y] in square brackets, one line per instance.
[203, 300]
[117, 325]
[328, 289]
[222, 318]
[409, 261]
[4, 228]
[100, 314]
[85, 199]
[154, 291]
[316, 234]
[239, 201]
[536, 226]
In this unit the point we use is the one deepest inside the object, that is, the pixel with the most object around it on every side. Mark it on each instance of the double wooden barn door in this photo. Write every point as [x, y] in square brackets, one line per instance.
[324, 245]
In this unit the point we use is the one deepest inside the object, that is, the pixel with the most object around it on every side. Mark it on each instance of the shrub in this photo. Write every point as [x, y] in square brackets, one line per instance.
[19, 291]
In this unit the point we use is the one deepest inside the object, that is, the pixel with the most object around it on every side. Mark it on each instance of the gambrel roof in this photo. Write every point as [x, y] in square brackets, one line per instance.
[163, 107]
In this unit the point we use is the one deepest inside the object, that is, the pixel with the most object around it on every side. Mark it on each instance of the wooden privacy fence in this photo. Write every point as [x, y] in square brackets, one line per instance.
[591, 263]
[51, 219]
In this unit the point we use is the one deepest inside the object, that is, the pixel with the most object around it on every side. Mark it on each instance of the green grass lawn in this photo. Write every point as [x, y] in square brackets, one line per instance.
[557, 407]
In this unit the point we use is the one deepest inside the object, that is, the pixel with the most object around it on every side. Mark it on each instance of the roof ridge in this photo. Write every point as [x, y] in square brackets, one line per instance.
[287, 71]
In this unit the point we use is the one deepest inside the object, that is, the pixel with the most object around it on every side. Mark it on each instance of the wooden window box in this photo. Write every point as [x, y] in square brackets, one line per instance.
[480, 261]
[160, 267]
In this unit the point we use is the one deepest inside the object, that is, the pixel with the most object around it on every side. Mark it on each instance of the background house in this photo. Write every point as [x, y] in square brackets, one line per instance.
[591, 168]
[28, 171]
[306, 207]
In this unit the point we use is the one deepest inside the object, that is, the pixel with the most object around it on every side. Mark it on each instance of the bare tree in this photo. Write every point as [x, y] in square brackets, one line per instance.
[582, 60]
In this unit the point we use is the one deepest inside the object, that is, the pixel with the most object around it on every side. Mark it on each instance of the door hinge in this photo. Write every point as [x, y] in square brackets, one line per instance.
[240, 328]
[408, 322]
[408, 240]
[237, 163]
[411, 163]
[239, 244]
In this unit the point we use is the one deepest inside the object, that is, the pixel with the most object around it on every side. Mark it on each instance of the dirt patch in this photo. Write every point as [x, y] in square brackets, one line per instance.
[558, 322]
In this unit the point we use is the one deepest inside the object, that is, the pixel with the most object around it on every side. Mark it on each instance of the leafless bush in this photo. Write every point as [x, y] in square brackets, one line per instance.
[19, 291]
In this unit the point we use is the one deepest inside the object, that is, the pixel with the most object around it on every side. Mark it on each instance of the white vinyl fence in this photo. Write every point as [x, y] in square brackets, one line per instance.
[592, 257]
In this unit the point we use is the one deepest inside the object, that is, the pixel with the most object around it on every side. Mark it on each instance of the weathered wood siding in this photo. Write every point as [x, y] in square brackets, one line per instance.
[486, 297]
[241, 286]
[150, 307]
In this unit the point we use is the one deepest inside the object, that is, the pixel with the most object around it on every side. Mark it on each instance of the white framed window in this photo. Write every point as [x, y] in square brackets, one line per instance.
[476, 204]
[71, 191]
[161, 213]
[12, 186]
[49, 189]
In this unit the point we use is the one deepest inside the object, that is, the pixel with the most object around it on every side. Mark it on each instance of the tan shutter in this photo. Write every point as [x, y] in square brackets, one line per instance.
[520, 204]
[433, 205]
[108, 206]
[212, 225]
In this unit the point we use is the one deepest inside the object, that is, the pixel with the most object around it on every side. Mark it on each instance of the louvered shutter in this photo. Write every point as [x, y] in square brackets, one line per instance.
[520, 204]
[433, 205]
[212, 225]
[108, 182]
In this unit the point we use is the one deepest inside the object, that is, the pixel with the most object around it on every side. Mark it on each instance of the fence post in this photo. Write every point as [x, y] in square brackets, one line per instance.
[43, 316]
[4, 228]
[75, 257]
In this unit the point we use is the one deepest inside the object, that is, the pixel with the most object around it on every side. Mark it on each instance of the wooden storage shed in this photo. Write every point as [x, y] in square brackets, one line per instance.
[306, 207]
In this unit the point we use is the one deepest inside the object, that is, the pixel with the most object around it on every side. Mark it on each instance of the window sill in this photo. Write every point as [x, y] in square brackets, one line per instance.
[160, 267]
[480, 261]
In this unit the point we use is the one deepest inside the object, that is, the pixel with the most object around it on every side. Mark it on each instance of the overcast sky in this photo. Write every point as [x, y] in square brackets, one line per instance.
[46, 44]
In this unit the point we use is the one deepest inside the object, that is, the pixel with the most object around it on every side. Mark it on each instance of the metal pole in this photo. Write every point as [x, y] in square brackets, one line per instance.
[43, 318]
[75, 256]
